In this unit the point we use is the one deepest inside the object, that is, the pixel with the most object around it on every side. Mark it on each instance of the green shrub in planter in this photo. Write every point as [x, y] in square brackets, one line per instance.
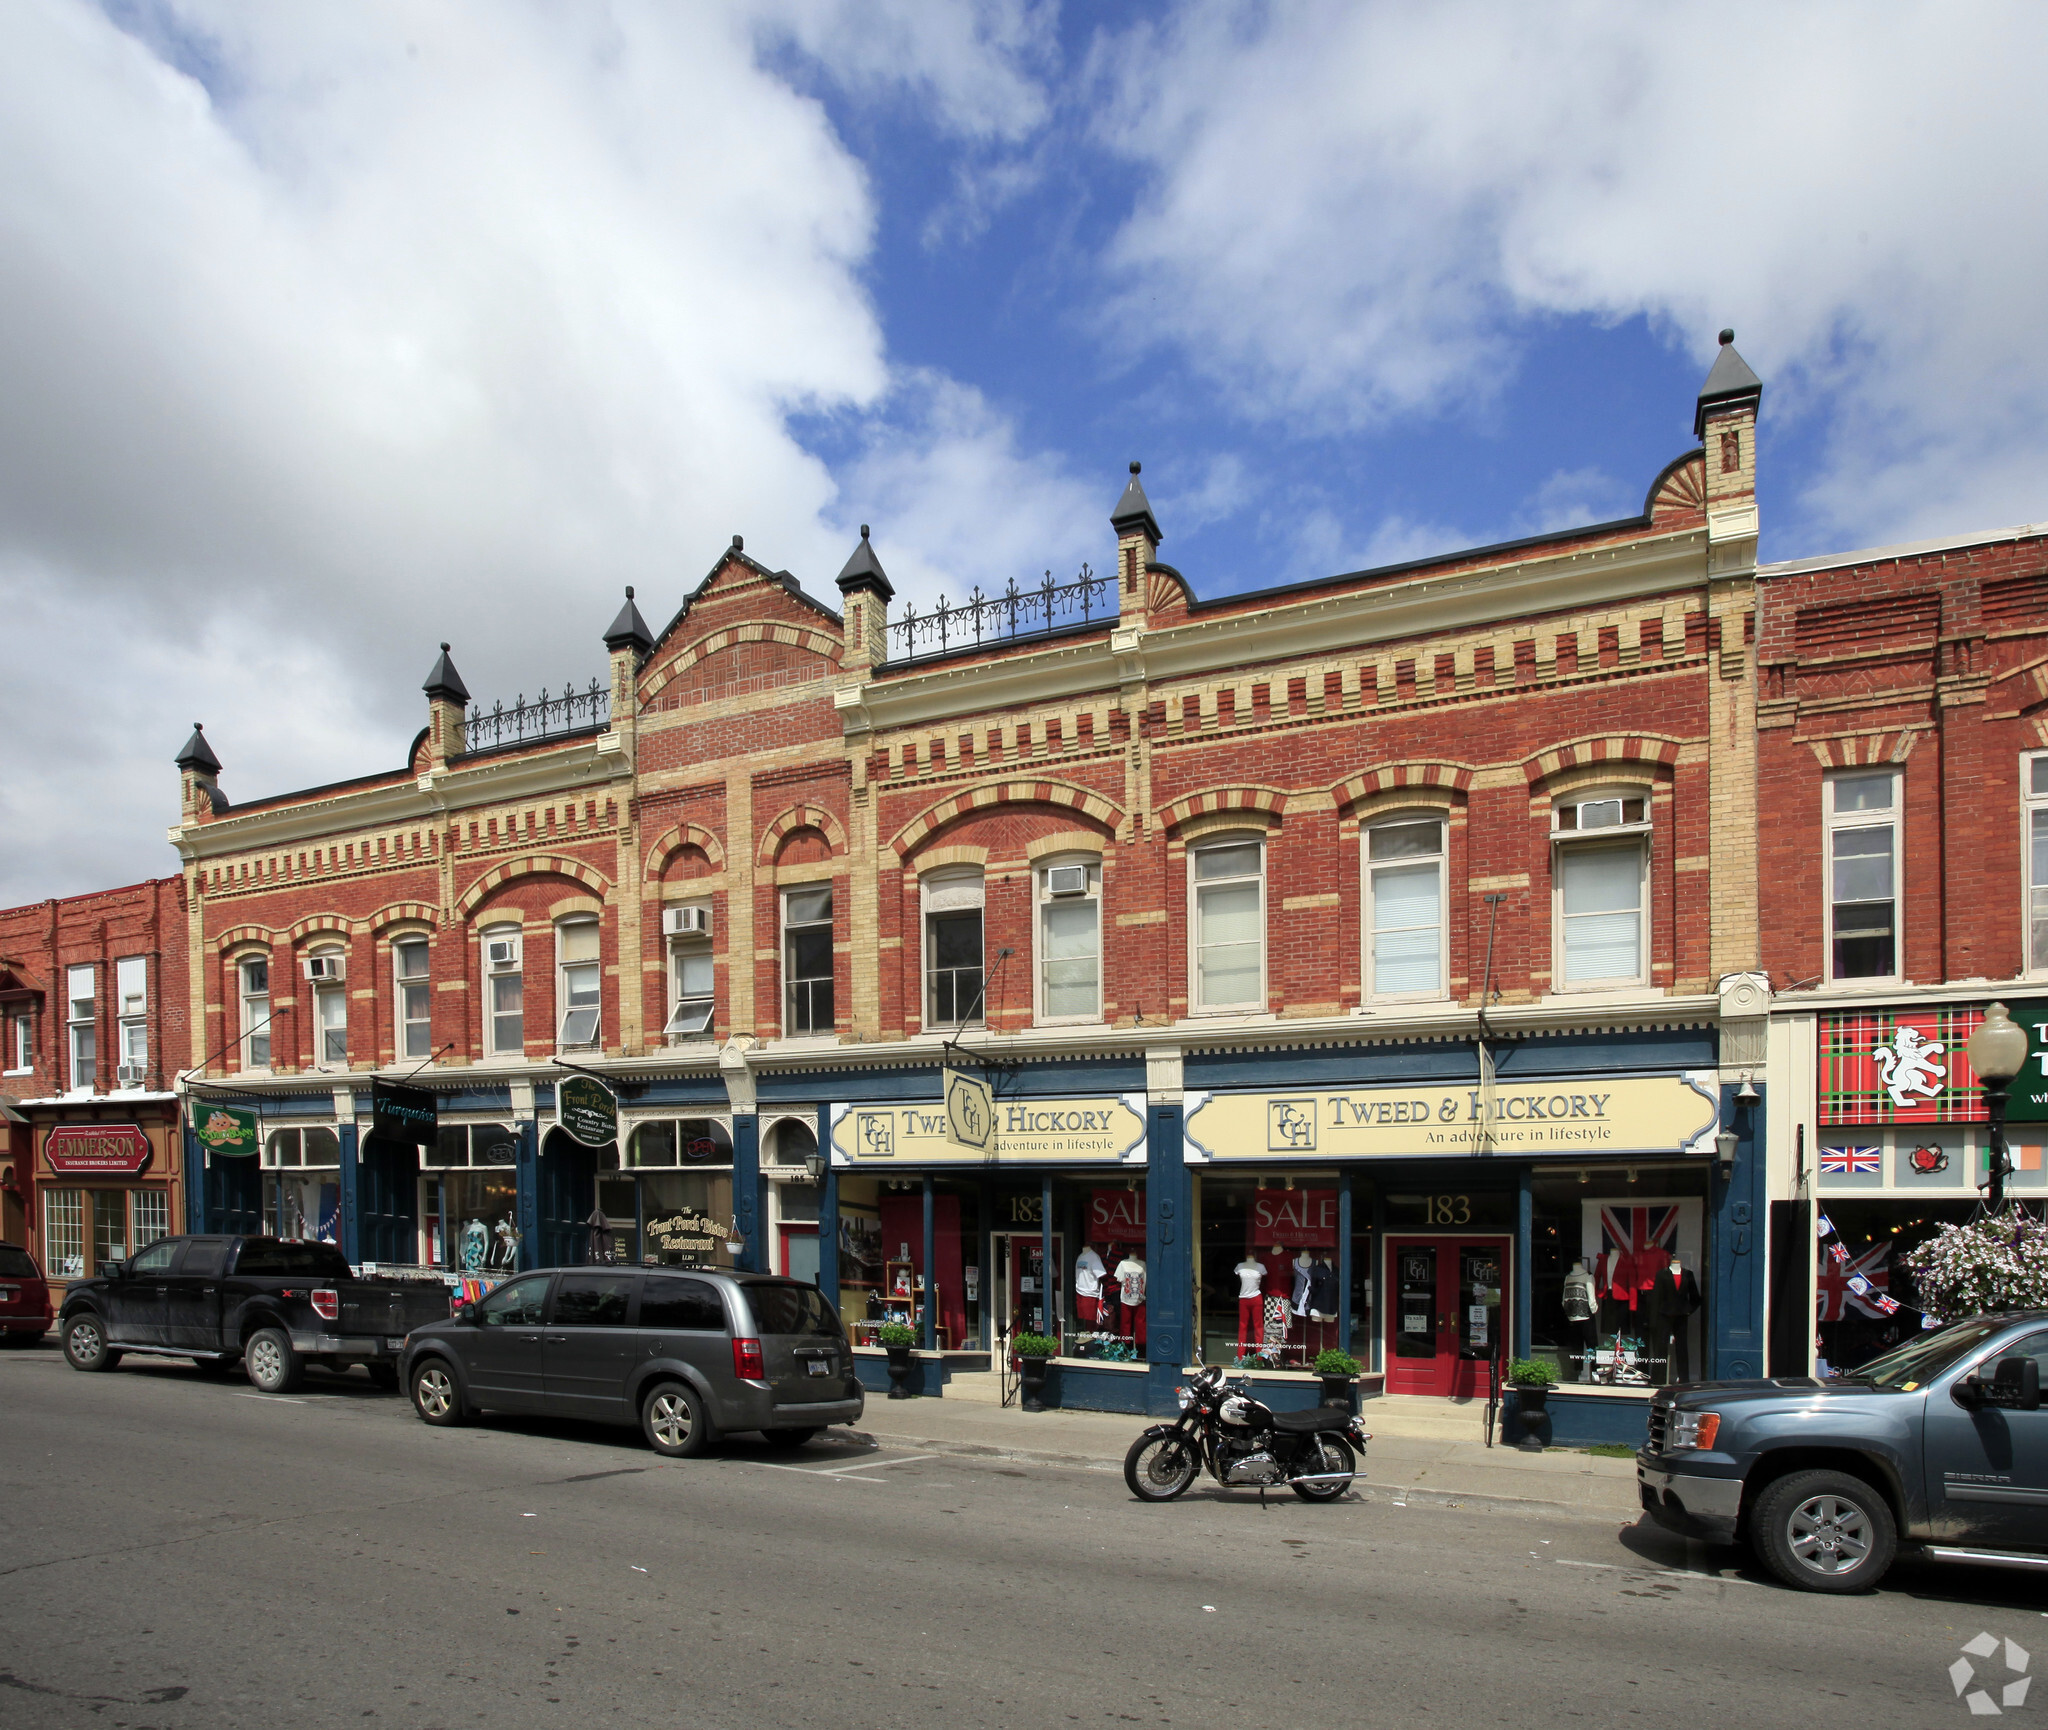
[1532, 1373]
[1036, 1346]
[895, 1335]
[1332, 1362]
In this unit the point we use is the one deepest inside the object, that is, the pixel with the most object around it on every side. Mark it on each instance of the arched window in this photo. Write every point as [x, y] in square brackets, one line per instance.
[1227, 877]
[1068, 932]
[413, 997]
[252, 983]
[326, 970]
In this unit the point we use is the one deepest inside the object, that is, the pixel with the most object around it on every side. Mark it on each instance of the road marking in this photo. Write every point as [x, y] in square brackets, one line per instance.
[1662, 1573]
[843, 1472]
[804, 1471]
[271, 1399]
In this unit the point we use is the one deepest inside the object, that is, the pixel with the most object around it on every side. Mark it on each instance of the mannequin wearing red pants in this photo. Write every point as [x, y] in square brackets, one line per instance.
[1251, 1280]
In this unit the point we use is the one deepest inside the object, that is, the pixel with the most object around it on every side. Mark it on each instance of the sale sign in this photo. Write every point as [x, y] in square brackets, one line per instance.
[1116, 1216]
[1295, 1218]
[103, 1149]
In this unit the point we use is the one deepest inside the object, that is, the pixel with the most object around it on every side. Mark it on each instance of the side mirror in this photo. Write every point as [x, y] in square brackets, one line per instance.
[116, 1269]
[2016, 1384]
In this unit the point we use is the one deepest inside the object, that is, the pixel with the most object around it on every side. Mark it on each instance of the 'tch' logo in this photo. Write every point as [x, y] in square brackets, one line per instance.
[1290, 1127]
[877, 1135]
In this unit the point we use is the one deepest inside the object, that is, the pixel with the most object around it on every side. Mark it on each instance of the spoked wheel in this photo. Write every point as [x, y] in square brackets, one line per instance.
[1158, 1468]
[675, 1423]
[1825, 1532]
[1332, 1454]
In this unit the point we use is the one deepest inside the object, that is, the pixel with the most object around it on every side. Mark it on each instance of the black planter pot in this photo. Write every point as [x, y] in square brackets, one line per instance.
[1531, 1404]
[902, 1368]
[1337, 1390]
[1031, 1377]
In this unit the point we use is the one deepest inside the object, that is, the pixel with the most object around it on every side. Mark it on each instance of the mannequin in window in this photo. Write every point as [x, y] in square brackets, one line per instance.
[1322, 1299]
[1673, 1300]
[1581, 1322]
[1130, 1283]
[1251, 1283]
[1088, 1276]
[1279, 1278]
[1304, 1265]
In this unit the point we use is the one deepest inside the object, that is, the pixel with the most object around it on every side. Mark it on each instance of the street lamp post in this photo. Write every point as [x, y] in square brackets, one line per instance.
[1997, 1051]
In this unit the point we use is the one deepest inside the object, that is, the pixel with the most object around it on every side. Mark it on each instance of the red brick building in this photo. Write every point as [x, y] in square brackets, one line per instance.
[94, 1026]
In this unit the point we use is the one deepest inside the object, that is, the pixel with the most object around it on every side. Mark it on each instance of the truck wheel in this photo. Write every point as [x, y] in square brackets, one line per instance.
[1825, 1532]
[675, 1423]
[85, 1343]
[273, 1367]
[437, 1396]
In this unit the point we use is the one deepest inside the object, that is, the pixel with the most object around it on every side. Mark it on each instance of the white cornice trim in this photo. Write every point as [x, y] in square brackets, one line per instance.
[1905, 550]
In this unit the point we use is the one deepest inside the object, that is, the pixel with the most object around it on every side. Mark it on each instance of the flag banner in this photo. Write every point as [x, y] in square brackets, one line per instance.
[1850, 1160]
[1823, 1226]
[1852, 1287]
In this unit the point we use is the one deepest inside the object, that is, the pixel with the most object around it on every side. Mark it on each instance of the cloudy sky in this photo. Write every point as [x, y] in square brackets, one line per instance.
[330, 331]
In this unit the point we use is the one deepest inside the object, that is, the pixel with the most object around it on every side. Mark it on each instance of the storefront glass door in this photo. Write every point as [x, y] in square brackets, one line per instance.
[1020, 1281]
[1446, 1314]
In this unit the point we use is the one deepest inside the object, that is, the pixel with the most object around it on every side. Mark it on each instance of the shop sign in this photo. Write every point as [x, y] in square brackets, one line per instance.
[229, 1131]
[2028, 1101]
[1115, 1214]
[1913, 1066]
[1023, 1132]
[1567, 1116]
[1295, 1218]
[587, 1109]
[409, 1116]
[970, 1109]
[99, 1149]
[687, 1233]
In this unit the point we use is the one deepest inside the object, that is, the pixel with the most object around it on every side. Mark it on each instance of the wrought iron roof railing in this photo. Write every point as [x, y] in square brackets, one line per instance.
[1015, 614]
[544, 717]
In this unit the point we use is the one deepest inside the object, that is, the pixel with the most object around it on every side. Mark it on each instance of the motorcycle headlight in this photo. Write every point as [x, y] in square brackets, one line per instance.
[1692, 1430]
[1186, 1399]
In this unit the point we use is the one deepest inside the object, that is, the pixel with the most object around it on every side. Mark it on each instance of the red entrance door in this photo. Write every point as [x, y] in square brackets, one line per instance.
[1446, 1312]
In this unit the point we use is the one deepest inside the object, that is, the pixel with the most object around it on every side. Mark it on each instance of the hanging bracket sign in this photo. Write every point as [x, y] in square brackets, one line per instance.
[230, 1131]
[970, 1110]
[409, 1116]
[587, 1109]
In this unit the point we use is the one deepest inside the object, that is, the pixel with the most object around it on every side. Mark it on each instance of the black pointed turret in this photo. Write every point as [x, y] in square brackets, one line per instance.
[197, 755]
[629, 630]
[864, 571]
[1134, 510]
[444, 681]
[1731, 381]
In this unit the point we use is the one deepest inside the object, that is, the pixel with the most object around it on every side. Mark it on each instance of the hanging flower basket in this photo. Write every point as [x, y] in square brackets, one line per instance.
[1998, 1262]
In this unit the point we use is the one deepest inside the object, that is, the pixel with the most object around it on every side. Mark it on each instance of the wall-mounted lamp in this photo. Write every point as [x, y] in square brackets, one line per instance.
[1631, 1174]
[1747, 1094]
[1585, 1177]
[1724, 1149]
[814, 1164]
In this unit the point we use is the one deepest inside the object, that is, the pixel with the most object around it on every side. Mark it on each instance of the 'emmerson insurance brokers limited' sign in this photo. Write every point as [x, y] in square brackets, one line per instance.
[97, 1149]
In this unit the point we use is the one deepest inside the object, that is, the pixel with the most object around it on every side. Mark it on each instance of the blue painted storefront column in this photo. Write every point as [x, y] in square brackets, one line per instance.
[527, 1164]
[746, 1190]
[1169, 1257]
[828, 1214]
[1344, 1258]
[351, 1196]
[195, 1182]
[1734, 1331]
[1525, 1271]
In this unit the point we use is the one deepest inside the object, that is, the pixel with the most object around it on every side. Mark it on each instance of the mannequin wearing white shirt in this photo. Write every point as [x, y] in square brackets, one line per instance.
[1251, 1282]
[1088, 1276]
[1130, 1279]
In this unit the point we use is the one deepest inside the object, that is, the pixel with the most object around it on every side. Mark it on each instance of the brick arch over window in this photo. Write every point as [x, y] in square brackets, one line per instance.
[244, 934]
[801, 817]
[319, 924]
[1393, 777]
[760, 631]
[1269, 800]
[1083, 800]
[1638, 750]
[536, 865]
[401, 913]
[662, 854]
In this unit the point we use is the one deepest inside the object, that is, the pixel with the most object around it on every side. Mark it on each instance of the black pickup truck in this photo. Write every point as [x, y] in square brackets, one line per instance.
[271, 1304]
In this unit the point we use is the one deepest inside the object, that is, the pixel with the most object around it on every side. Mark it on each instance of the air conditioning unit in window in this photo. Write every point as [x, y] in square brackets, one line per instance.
[1067, 880]
[686, 922]
[129, 1075]
[501, 954]
[326, 969]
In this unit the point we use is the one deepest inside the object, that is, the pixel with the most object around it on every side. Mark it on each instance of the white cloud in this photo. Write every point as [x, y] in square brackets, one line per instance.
[1356, 213]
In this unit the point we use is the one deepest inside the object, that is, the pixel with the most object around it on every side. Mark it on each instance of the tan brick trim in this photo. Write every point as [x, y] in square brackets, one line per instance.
[1397, 777]
[1636, 749]
[675, 840]
[1220, 823]
[246, 937]
[1267, 802]
[314, 924]
[800, 817]
[1437, 801]
[1022, 791]
[758, 631]
[1062, 841]
[400, 913]
[574, 906]
[533, 865]
[939, 856]
[1853, 750]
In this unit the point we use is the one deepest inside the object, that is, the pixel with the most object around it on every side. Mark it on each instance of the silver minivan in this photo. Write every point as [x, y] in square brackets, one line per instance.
[684, 1353]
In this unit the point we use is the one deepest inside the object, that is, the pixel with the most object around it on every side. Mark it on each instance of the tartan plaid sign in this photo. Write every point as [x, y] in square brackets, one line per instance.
[1903, 1067]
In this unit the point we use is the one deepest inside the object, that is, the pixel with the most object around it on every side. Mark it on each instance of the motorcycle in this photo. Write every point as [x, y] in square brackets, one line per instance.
[1244, 1443]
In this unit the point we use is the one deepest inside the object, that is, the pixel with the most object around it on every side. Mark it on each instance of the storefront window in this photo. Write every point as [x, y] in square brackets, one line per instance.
[302, 1184]
[1267, 1282]
[469, 1209]
[670, 1204]
[64, 1232]
[1606, 1307]
[109, 1226]
[1850, 1328]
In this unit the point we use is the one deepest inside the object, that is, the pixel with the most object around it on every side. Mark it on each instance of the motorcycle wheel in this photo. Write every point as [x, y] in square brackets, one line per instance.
[1158, 1468]
[1333, 1455]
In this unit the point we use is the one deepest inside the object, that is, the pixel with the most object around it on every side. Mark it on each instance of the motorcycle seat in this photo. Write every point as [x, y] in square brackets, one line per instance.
[1309, 1422]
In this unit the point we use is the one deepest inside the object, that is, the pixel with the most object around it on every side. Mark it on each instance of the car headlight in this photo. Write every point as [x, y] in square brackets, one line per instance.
[1692, 1430]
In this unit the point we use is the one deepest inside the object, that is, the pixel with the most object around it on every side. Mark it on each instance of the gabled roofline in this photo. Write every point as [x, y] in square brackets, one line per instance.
[790, 586]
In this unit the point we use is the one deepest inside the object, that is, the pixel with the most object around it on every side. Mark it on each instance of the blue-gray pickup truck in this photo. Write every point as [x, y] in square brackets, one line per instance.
[1940, 1446]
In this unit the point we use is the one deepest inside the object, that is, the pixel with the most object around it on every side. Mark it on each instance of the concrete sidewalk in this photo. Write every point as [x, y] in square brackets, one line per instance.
[1398, 1468]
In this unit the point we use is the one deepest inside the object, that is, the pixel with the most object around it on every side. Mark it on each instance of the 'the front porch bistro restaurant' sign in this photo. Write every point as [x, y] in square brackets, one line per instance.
[587, 1109]
[687, 1233]
[97, 1150]
[1601, 1115]
[1022, 1132]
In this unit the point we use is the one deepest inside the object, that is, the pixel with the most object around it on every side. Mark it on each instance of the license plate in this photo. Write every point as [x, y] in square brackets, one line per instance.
[819, 1367]
[394, 1342]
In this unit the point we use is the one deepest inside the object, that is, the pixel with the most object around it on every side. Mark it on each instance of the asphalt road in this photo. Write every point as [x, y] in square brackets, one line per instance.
[179, 1551]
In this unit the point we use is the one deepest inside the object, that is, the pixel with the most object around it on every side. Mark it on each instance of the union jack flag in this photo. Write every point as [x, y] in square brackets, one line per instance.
[1634, 1243]
[1851, 1159]
[1856, 1287]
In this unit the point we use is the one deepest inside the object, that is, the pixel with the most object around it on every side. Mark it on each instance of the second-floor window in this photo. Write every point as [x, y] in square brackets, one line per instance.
[21, 1042]
[690, 978]
[1863, 852]
[253, 979]
[579, 984]
[1404, 907]
[2034, 790]
[1599, 888]
[807, 960]
[504, 991]
[131, 1002]
[1229, 924]
[326, 980]
[79, 995]
[952, 949]
[415, 1000]
[1069, 893]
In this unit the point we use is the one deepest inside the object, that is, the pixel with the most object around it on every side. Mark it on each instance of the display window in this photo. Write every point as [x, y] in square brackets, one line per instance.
[670, 1202]
[302, 1184]
[1849, 1327]
[1268, 1268]
[84, 1229]
[1617, 1277]
[469, 1199]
